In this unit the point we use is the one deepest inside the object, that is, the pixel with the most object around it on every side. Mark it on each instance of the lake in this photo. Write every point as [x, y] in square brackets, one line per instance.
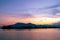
[30, 34]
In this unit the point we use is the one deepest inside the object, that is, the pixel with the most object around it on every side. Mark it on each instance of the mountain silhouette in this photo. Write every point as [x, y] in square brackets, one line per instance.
[19, 26]
[56, 24]
[30, 26]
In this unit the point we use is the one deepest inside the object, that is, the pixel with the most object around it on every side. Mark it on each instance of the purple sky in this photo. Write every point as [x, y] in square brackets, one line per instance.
[29, 8]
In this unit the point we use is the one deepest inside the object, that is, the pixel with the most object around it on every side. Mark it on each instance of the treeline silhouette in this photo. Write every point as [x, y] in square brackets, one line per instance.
[29, 26]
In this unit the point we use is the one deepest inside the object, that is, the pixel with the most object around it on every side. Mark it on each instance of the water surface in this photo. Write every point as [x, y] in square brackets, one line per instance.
[30, 34]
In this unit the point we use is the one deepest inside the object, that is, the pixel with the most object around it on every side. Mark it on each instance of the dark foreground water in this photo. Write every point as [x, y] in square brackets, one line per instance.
[31, 34]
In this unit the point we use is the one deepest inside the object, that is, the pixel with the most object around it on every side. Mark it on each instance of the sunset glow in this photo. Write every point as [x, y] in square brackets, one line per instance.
[29, 11]
[35, 20]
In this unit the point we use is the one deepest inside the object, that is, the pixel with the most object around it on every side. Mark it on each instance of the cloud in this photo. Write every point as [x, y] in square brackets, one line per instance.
[31, 8]
[21, 15]
[54, 6]
[55, 11]
[24, 15]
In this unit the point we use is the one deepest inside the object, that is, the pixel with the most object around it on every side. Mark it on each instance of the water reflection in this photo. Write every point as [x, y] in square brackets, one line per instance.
[32, 34]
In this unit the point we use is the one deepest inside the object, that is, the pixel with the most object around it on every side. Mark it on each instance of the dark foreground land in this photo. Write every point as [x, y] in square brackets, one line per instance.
[29, 26]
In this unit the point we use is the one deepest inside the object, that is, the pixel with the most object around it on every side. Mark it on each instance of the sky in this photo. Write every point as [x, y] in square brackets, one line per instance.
[29, 11]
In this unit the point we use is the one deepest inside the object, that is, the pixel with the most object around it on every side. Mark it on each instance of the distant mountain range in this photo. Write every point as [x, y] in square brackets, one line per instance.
[1, 27]
[30, 26]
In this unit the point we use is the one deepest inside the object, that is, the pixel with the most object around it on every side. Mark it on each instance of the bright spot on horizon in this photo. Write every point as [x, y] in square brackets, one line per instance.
[45, 20]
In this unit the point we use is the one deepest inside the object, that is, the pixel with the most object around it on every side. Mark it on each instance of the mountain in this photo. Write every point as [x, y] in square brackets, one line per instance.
[30, 25]
[19, 26]
[1, 27]
[56, 24]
